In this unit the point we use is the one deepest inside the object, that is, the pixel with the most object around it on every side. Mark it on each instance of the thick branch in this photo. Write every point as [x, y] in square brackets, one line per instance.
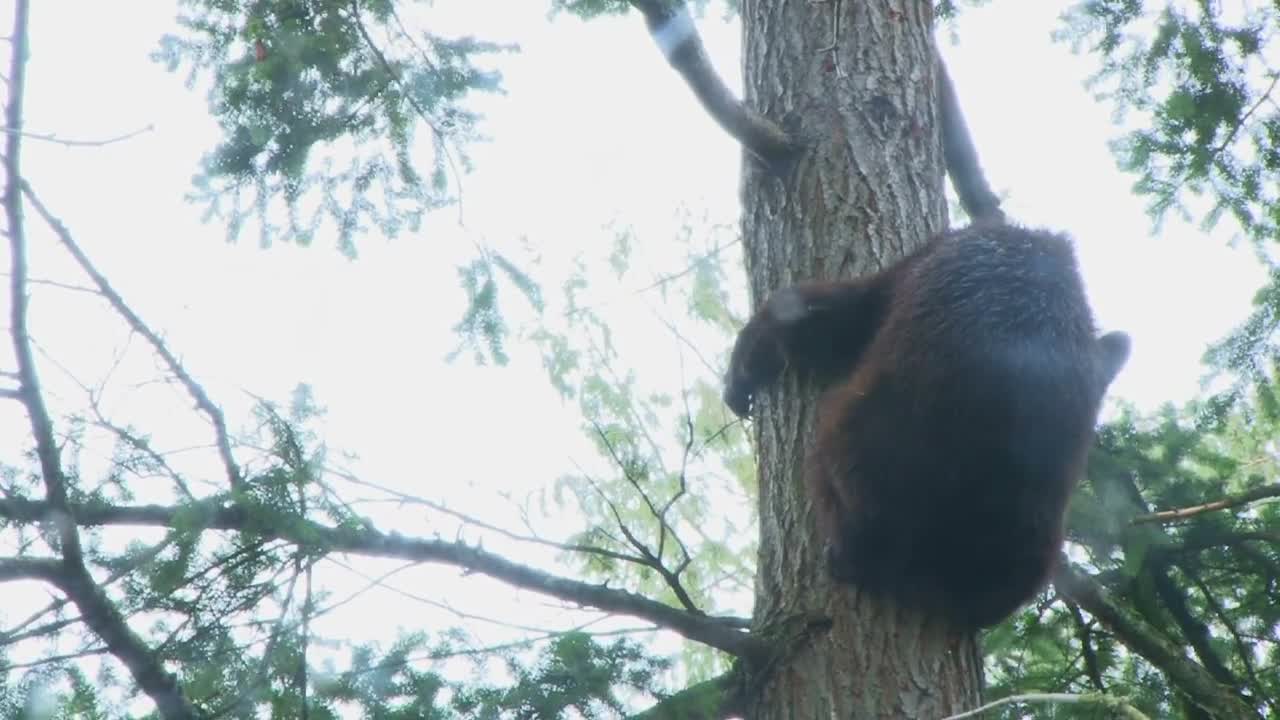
[719, 633]
[714, 699]
[961, 156]
[1193, 680]
[70, 574]
[202, 399]
[38, 414]
[22, 568]
[673, 30]
[1259, 493]
[102, 617]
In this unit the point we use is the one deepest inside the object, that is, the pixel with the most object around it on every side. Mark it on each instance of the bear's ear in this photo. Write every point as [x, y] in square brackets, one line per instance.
[1114, 350]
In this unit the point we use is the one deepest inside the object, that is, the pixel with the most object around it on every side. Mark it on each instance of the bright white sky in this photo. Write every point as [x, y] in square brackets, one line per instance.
[596, 131]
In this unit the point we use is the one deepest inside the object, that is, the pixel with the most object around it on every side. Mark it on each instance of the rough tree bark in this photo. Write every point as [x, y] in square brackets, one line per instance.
[866, 188]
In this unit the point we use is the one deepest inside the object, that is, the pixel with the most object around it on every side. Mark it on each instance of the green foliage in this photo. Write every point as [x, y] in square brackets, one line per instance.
[587, 9]
[666, 462]
[291, 78]
[1207, 583]
[232, 612]
[1202, 79]
[482, 329]
[576, 676]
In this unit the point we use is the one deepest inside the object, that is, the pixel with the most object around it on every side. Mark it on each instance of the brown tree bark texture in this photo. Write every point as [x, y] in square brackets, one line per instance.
[867, 190]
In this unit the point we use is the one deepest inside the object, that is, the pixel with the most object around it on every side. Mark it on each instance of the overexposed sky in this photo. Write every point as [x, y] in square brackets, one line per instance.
[596, 131]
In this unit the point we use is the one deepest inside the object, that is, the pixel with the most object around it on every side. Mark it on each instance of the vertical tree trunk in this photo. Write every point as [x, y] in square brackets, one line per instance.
[867, 189]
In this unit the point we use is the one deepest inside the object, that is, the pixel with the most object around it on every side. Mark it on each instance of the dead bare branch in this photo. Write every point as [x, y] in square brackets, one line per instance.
[197, 392]
[477, 522]
[959, 152]
[28, 379]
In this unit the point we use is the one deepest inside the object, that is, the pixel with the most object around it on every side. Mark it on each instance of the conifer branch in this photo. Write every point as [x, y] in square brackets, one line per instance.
[721, 633]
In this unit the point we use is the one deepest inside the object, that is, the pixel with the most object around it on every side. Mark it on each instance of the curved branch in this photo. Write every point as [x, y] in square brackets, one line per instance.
[673, 30]
[720, 633]
[976, 196]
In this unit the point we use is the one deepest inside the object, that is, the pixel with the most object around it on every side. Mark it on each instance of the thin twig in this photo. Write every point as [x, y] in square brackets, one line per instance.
[53, 138]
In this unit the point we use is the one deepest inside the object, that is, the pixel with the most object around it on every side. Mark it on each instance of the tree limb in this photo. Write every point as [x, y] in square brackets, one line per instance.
[722, 634]
[104, 619]
[29, 383]
[1190, 678]
[976, 196]
[202, 399]
[68, 574]
[673, 30]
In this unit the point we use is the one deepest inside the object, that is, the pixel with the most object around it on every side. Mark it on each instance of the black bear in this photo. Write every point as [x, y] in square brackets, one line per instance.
[963, 386]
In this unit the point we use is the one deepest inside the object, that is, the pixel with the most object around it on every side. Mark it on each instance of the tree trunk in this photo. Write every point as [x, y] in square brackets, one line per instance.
[867, 189]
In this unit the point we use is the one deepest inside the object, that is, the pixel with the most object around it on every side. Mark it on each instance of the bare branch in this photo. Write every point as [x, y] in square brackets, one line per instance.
[56, 284]
[202, 399]
[1189, 677]
[720, 633]
[477, 522]
[53, 137]
[961, 156]
[673, 30]
[652, 558]
[1226, 503]
[28, 380]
